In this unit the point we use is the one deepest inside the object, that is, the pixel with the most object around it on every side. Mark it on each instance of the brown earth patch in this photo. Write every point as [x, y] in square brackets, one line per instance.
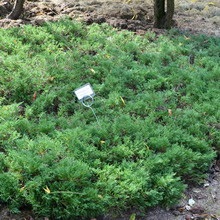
[196, 16]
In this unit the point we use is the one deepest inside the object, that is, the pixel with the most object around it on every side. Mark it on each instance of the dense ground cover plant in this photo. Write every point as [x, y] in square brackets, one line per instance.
[158, 108]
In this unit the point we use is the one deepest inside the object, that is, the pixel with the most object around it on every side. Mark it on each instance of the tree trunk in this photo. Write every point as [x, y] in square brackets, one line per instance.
[162, 18]
[17, 9]
[169, 14]
[159, 13]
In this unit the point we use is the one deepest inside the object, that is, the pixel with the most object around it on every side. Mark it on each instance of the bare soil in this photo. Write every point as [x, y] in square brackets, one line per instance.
[194, 16]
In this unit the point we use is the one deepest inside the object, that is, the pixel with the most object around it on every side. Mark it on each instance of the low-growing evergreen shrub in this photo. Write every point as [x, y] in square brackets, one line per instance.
[158, 113]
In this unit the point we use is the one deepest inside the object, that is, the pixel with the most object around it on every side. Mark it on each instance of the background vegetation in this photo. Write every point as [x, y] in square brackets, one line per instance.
[156, 99]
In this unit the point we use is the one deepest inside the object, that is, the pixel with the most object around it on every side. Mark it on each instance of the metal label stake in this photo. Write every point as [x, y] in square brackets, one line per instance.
[85, 95]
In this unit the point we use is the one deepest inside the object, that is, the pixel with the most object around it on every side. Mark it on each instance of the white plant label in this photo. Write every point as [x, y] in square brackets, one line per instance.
[84, 92]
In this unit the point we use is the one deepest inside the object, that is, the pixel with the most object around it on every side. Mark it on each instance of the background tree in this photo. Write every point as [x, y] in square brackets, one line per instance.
[163, 16]
[17, 9]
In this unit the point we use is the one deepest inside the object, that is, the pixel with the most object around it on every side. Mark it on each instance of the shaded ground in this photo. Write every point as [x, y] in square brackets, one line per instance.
[196, 16]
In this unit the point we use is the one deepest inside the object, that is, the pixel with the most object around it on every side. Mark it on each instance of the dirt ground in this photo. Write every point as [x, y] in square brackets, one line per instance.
[195, 16]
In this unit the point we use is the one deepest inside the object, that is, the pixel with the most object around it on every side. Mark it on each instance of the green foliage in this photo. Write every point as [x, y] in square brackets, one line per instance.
[159, 118]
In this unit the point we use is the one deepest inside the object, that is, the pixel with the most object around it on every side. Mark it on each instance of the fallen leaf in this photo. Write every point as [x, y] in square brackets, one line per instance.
[22, 188]
[92, 70]
[34, 96]
[123, 101]
[47, 190]
[170, 112]
[51, 78]
[187, 38]
[197, 210]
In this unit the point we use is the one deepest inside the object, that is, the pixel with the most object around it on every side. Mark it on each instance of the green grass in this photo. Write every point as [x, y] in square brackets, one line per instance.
[159, 118]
